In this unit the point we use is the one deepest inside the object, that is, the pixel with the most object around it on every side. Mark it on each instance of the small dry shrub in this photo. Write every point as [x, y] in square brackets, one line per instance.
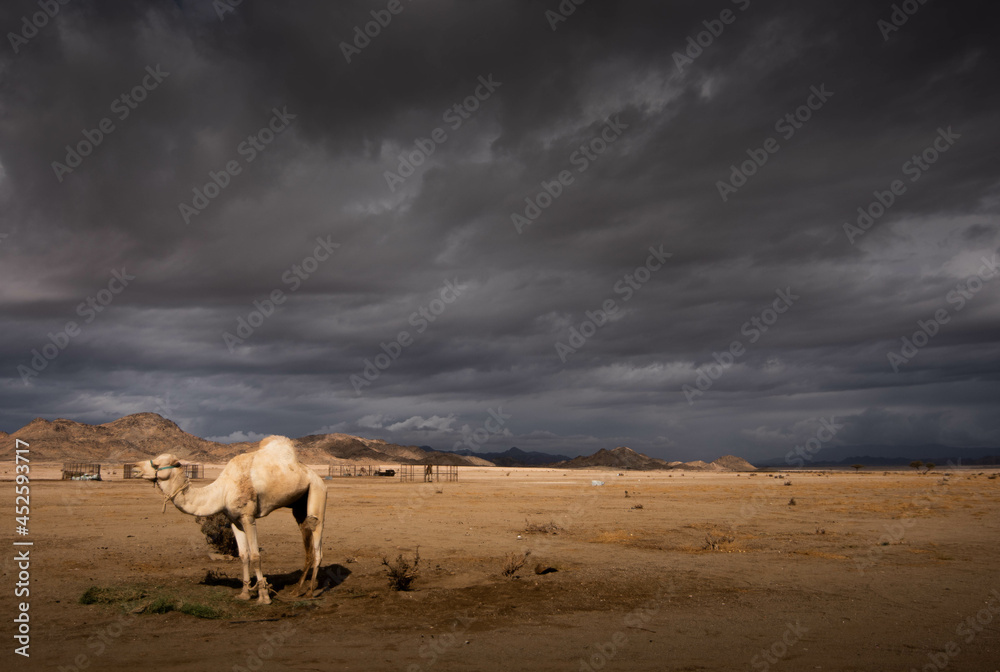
[715, 543]
[512, 563]
[401, 573]
[541, 528]
[219, 534]
[791, 502]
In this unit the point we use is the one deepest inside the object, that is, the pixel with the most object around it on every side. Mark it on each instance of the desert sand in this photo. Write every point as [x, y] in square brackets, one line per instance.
[690, 571]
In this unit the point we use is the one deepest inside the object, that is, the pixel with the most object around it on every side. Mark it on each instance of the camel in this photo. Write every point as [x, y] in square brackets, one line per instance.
[251, 486]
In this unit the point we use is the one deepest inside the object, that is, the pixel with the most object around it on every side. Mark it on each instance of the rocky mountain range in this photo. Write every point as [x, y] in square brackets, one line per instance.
[626, 458]
[142, 436]
[145, 435]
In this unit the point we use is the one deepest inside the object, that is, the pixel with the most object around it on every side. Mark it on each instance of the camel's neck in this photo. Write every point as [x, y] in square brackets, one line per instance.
[194, 501]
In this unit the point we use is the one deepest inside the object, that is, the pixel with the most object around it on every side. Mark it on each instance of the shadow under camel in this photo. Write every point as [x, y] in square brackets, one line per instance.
[330, 576]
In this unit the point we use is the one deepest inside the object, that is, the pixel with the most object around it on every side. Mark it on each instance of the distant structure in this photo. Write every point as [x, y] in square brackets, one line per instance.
[192, 471]
[81, 471]
[431, 473]
[369, 470]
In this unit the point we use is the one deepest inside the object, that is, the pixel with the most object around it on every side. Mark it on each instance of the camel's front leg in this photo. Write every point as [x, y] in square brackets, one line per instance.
[316, 556]
[250, 528]
[241, 543]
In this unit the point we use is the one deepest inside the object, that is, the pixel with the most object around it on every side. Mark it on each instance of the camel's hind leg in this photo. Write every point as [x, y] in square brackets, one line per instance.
[309, 513]
[241, 543]
[300, 510]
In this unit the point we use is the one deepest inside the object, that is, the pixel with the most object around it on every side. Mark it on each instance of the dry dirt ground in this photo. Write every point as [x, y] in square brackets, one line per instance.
[692, 571]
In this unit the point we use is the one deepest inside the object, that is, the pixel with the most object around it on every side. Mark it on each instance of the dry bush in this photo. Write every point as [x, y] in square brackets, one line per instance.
[541, 528]
[715, 543]
[791, 502]
[512, 563]
[219, 534]
[401, 573]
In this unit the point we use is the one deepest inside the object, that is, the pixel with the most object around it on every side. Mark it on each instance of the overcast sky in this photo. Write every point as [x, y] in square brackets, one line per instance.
[376, 184]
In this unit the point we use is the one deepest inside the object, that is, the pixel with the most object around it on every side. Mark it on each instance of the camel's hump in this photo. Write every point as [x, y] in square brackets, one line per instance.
[281, 447]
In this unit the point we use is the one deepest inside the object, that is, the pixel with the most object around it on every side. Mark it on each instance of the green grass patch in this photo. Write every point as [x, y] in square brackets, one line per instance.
[162, 605]
[200, 610]
[99, 595]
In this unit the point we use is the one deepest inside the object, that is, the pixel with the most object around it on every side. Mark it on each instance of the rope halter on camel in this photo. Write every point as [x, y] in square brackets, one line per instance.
[166, 497]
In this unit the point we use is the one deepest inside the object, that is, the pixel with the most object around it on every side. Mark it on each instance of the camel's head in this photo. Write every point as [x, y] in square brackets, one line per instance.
[160, 468]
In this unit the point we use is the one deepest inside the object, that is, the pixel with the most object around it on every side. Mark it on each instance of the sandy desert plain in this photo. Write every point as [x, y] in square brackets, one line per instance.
[692, 571]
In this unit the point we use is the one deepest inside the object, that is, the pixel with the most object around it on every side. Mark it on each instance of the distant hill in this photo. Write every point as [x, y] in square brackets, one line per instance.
[145, 435]
[618, 458]
[626, 458]
[895, 456]
[733, 463]
[515, 457]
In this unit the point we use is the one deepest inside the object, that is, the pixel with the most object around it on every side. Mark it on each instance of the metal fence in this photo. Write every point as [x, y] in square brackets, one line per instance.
[190, 470]
[81, 471]
[364, 470]
[428, 473]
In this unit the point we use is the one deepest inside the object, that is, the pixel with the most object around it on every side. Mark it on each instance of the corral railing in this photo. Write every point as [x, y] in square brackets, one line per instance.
[81, 471]
[368, 470]
[190, 470]
[428, 473]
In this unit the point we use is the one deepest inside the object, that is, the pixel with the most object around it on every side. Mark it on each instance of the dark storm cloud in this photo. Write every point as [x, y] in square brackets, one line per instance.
[529, 99]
